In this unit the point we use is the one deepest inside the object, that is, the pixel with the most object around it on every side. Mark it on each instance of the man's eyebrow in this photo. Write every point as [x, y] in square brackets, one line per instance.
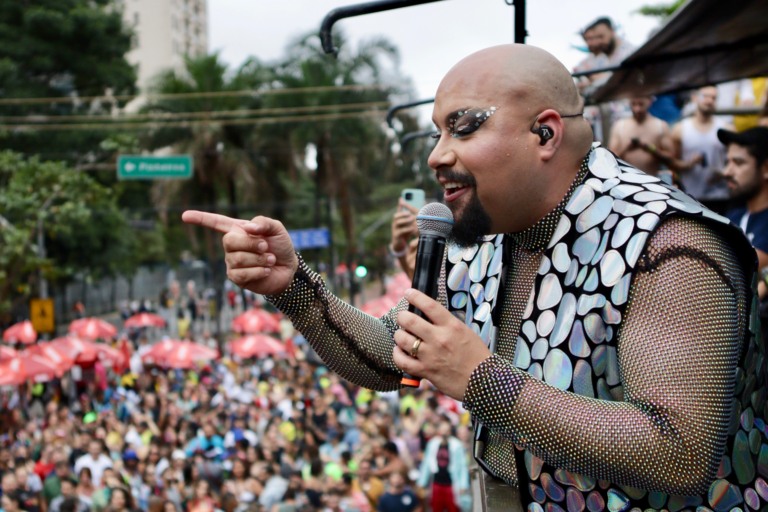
[451, 117]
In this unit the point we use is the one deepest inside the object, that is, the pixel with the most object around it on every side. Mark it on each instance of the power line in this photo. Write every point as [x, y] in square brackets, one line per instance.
[262, 151]
[189, 124]
[187, 95]
[195, 114]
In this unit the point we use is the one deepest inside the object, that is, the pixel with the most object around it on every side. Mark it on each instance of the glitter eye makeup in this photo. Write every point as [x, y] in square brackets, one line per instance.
[466, 121]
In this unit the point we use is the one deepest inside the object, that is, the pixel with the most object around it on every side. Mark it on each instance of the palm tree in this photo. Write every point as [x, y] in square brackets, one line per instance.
[351, 145]
[201, 95]
[250, 149]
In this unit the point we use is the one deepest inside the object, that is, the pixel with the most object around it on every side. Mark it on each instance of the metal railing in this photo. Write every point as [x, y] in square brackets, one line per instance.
[495, 496]
[490, 494]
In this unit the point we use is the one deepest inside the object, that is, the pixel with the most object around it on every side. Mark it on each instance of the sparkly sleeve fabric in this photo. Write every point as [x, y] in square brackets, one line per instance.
[353, 344]
[677, 350]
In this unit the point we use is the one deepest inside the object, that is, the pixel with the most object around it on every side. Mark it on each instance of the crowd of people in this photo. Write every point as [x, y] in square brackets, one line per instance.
[278, 434]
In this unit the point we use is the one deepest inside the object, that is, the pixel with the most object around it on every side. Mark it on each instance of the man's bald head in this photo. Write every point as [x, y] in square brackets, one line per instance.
[516, 138]
[529, 77]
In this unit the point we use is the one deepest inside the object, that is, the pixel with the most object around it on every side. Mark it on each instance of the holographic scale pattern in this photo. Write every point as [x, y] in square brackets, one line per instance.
[636, 277]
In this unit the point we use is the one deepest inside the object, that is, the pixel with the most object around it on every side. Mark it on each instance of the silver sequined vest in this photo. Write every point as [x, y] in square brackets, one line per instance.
[568, 330]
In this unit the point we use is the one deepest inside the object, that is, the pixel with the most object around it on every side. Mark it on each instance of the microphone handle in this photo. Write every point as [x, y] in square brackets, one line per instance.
[429, 258]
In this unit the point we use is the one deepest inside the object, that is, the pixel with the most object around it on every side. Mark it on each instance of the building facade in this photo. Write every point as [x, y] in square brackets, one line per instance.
[165, 31]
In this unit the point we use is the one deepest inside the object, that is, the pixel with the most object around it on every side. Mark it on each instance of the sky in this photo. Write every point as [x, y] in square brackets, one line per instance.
[430, 37]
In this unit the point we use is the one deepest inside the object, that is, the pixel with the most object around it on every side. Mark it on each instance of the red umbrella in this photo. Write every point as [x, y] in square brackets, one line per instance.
[186, 354]
[22, 332]
[124, 347]
[157, 351]
[7, 352]
[110, 356]
[87, 352]
[54, 354]
[179, 354]
[256, 320]
[92, 328]
[256, 345]
[24, 367]
[145, 320]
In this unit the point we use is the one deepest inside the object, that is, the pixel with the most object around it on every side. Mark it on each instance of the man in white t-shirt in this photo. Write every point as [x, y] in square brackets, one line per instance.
[694, 140]
[95, 460]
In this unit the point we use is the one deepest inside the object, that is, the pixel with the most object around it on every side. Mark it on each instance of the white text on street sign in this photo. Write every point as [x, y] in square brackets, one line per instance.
[144, 167]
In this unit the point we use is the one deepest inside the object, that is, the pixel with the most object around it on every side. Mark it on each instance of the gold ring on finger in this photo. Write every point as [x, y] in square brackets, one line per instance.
[415, 347]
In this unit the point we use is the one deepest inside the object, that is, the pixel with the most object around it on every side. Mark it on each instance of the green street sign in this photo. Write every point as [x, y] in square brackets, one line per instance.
[141, 167]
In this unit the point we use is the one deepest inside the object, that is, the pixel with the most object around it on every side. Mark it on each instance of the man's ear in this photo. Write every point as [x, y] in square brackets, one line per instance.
[548, 128]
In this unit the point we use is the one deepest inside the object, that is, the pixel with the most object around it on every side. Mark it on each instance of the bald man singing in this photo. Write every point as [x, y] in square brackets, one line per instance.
[593, 320]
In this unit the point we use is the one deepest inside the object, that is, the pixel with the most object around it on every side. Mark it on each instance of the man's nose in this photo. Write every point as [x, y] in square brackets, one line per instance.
[442, 155]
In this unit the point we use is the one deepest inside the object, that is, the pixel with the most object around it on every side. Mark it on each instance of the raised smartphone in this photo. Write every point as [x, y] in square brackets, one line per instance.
[414, 197]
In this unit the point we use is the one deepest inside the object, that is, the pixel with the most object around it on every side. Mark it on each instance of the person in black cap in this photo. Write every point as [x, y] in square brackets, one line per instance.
[746, 174]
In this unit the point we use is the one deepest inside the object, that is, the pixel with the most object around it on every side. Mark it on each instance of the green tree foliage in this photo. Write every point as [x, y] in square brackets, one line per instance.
[353, 152]
[662, 11]
[249, 150]
[66, 50]
[82, 229]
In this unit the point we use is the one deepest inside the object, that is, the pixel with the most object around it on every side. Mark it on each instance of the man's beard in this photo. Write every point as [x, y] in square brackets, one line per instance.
[745, 193]
[473, 223]
[610, 47]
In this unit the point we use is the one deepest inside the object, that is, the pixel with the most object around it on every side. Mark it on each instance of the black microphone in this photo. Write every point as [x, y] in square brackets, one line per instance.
[434, 221]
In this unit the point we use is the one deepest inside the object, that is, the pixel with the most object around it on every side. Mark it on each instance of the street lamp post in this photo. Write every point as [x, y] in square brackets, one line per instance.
[41, 252]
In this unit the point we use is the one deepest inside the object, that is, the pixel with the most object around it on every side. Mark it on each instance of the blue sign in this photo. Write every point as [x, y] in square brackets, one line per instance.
[310, 238]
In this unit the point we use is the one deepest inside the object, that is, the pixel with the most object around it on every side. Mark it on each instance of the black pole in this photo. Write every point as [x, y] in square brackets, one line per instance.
[520, 31]
[402, 106]
[326, 38]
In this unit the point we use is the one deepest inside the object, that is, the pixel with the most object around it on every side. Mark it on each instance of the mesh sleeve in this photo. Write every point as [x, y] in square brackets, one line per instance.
[678, 348]
[353, 344]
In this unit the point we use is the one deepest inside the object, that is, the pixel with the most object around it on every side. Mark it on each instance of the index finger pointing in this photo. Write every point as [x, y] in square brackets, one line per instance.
[220, 223]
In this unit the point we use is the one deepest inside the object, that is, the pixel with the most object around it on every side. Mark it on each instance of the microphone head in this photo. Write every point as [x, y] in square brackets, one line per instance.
[435, 219]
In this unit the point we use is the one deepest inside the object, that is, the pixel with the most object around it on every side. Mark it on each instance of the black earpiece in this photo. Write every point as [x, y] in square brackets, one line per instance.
[545, 133]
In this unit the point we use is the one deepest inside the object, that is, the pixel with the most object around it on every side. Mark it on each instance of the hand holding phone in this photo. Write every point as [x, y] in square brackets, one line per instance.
[404, 229]
[414, 197]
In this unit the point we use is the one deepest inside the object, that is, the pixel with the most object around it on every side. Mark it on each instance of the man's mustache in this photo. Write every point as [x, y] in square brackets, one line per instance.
[451, 175]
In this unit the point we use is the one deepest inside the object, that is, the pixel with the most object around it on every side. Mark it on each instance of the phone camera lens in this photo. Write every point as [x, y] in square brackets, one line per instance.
[408, 196]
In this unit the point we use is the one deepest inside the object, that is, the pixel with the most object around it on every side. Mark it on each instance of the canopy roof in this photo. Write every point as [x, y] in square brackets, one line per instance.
[705, 42]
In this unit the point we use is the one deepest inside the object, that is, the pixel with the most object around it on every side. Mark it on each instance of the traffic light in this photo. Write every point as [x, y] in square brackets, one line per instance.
[361, 271]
